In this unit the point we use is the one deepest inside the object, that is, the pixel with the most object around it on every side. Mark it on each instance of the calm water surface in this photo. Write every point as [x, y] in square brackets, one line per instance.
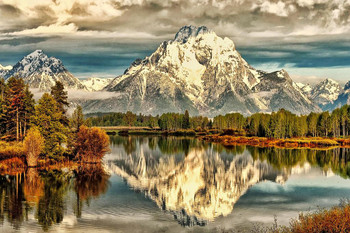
[169, 184]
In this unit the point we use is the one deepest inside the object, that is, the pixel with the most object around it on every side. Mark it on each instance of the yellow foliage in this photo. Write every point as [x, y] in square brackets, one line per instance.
[11, 149]
[33, 146]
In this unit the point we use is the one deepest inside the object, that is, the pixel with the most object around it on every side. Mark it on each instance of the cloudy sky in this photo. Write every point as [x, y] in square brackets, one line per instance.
[309, 38]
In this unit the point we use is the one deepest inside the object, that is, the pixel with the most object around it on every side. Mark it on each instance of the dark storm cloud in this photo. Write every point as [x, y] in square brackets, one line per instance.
[9, 11]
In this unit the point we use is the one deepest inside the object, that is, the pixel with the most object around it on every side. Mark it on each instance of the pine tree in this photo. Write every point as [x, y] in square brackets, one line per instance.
[77, 119]
[61, 98]
[16, 106]
[48, 120]
[29, 103]
[3, 106]
[129, 118]
[186, 121]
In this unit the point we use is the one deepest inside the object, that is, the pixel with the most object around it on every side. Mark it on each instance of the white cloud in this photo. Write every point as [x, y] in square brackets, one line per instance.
[49, 30]
[278, 8]
[159, 17]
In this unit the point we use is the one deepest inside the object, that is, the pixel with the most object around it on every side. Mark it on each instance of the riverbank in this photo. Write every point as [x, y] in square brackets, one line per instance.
[125, 131]
[305, 142]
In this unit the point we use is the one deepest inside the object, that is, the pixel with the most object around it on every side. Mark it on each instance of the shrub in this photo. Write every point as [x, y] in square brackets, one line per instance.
[33, 146]
[337, 219]
[91, 144]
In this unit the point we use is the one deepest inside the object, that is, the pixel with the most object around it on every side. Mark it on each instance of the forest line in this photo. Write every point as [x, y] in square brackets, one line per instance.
[278, 125]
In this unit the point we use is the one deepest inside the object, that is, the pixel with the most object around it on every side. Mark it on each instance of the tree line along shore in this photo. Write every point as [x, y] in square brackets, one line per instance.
[36, 134]
[281, 128]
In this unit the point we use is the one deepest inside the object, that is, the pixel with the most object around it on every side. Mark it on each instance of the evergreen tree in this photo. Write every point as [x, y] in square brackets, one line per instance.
[61, 98]
[129, 118]
[77, 119]
[48, 120]
[3, 106]
[312, 120]
[29, 103]
[186, 121]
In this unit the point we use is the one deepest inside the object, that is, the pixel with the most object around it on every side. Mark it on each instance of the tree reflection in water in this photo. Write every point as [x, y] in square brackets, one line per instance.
[46, 193]
[33, 186]
[51, 206]
[90, 182]
[11, 200]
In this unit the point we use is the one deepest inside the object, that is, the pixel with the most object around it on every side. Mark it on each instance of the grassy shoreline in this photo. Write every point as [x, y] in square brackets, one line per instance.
[304, 142]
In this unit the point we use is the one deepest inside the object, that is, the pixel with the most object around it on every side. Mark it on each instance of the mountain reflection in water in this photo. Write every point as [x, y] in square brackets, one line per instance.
[199, 182]
[146, 182]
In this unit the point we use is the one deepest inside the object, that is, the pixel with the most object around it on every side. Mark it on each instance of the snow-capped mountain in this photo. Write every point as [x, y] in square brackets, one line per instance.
[305, 88]
[4, 70]
[342, 99]
[96, 84]
[203, 73]
[40, 71]
[325, 92]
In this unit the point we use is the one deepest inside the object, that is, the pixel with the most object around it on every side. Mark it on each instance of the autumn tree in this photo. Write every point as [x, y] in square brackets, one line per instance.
[91, 144]
[33, 146]
[15, 106]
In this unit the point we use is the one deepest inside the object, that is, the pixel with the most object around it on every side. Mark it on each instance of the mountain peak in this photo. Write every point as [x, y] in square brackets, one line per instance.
[36, 53]
[40, 71]
[188, 31]
[329, 80]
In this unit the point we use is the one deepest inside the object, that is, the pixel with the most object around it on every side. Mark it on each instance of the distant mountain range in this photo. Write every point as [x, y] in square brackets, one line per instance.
[197, 70]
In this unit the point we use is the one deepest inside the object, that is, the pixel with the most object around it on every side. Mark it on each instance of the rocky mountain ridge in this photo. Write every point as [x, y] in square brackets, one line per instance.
[205, 74]
[40, 71]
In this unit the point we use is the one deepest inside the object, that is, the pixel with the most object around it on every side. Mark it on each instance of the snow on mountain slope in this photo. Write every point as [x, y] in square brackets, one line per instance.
[96, 84]
[342, 99]
[205, 74]
[325, 92]
[305, 88]
[4, 70]
[5, 67]
[40, 71]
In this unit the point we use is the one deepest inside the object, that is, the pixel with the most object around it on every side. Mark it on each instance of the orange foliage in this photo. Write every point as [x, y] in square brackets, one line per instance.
[12, 165]
[91, 144]
[334, 220]
[270, 142]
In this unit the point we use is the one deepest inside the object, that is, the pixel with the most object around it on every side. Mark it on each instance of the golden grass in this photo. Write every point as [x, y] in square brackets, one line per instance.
[304, 142]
